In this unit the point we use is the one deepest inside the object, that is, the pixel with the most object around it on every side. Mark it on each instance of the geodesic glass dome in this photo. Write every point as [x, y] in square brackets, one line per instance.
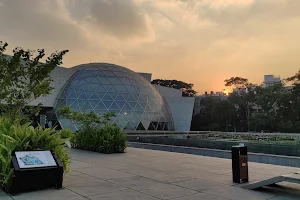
[102, 88]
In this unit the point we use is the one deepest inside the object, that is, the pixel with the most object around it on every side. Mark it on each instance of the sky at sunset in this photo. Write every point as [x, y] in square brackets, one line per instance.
[196, 41]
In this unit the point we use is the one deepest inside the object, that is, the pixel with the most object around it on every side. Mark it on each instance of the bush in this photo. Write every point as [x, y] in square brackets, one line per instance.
[107, 139]
[16, 137]
[66, 133]
[95, 133]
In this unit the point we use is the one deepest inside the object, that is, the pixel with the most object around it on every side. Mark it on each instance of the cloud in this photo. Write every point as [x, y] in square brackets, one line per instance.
[191, 40]
[41, 23]
[123, 19]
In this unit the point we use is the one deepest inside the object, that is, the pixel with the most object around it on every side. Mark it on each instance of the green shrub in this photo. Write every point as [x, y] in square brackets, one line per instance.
[16, 137]
[66, 133]
[107, 139]
[95, 133]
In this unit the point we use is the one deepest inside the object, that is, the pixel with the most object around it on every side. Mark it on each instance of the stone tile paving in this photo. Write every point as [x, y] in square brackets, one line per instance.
[143, 174]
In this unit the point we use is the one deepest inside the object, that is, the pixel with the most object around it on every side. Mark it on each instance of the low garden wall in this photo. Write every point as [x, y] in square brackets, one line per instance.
[255, 147]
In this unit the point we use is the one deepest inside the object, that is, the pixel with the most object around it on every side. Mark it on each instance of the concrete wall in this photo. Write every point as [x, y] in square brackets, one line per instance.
[60, 76]
[181, 110]
[168, 92]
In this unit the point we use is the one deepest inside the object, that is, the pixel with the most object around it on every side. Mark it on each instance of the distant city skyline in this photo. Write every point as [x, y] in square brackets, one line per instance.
[202, 42]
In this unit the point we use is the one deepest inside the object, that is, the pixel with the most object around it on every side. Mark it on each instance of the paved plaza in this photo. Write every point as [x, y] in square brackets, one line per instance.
[142, 174]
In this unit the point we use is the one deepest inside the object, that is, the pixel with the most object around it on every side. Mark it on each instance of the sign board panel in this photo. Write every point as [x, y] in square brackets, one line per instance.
[33, 159]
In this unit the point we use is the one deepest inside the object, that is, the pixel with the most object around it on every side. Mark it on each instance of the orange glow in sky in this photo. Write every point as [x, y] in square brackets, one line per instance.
[202, 42]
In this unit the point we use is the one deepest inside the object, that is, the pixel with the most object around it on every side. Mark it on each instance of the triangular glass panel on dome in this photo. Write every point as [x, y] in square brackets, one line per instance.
[87, 106]
[142, 98]
[157, 108]
[129, 127]
[94, 97]
[89, 88]
[135, 96]
[113, 95]
[132, 104]
[89, 79]
[62, 95]
[100, 88]
[108, 73]
[120, 97]
[100, 106]
[126, 107]
[70, 93]
[122, 123]
[104, 80]
[140, 127]
[78, 92]
[143, 105]
[107, 87]
[130, 98]
[139, 114]
[121, 117]
[120, 103]
[145, 123]
[73, 83]
[89, 94]
[95, 81]
[138, 107]
[125, 95]
[133, 82]
[115, 80]
[70, 101]
[113, 89]
[137, 89]
[81, 82]
[126, 74]
[95, 86]
[149, 108]
[125, 81]
[93, 103]
[107, 97]
[75, 106]
[129, 88]
[101, 94]
[150, 116]
[81, 103]
[107, 103]
[61, 103]
[114, 106]
[82, 96]
[121, 88]
[119, 74]
[99, 73]
[82, 87]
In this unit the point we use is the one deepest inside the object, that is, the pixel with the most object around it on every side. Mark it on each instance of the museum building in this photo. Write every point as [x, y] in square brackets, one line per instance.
[137, 104]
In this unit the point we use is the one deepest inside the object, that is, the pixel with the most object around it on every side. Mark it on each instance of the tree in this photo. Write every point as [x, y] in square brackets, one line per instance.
[237, 82]
[24, 78]
[186, 88]
[216, 114]
[85, 120]
[295, 79]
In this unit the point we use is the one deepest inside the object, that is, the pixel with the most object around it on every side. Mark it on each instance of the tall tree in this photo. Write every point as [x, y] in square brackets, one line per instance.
[295, 79]
[24, 77]
[236, 82]
[186, 88]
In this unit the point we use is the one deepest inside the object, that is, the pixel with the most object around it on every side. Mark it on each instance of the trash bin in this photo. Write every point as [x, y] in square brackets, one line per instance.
[239, 164]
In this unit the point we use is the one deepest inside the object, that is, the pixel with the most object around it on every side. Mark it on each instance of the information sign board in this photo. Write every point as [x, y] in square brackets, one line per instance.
[34, 159]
